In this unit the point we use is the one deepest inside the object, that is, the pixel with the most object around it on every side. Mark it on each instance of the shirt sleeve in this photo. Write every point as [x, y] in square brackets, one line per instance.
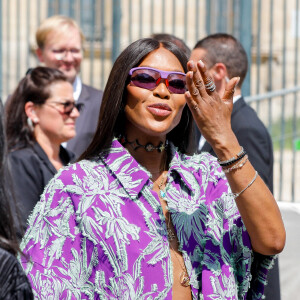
[27, 182]
[228, 244]
[60, 259]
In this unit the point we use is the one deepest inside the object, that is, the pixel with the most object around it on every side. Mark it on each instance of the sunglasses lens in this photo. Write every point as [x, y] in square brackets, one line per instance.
[177, 83]
[79, 106]
[145, 79]
[69, 106]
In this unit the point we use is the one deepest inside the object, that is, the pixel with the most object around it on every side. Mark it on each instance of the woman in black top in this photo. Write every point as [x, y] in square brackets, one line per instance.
[13, 282]
[40, 115]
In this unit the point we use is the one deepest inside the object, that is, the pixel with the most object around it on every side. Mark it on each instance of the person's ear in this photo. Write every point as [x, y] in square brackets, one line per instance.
[219, 71]
[30, 110]
[39, 54]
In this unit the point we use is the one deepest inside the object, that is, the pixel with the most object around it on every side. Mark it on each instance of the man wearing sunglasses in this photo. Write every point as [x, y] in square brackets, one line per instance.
[226, 58]
[60, 42]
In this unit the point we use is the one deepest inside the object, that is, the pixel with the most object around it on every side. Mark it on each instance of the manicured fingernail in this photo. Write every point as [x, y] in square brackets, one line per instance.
[190, 74]
[192, 65]
[201, 63]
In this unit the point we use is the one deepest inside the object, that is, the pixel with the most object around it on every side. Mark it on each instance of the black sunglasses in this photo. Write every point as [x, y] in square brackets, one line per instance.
[68, 106]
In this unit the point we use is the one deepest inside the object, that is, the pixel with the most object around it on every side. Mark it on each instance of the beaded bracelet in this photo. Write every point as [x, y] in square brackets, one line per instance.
[235, 195]
[232, 160]
[236, 166]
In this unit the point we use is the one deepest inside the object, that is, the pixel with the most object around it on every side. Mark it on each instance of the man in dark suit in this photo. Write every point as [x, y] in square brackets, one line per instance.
[226, 58]
[60, 46]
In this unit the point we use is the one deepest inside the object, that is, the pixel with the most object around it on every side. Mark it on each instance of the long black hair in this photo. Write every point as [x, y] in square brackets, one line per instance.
[112, 117]
[8, 236]
[34, 87]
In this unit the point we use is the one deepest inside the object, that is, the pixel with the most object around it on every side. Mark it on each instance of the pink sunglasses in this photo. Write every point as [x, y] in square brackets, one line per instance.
[150, 78]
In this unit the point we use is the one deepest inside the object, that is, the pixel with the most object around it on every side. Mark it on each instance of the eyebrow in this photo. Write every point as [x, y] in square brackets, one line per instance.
[67, 100]
[64, 48]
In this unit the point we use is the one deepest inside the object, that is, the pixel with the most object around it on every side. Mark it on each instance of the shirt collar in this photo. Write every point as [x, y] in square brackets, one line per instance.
[132, 175]
[77, 87]
[178, 165]
[236, 98]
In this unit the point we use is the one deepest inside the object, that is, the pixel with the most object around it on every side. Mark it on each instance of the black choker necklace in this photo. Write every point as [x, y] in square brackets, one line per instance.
[148, 147]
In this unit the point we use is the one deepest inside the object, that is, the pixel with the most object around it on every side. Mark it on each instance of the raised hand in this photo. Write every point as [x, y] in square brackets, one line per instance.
[211, 113]
[255, 202]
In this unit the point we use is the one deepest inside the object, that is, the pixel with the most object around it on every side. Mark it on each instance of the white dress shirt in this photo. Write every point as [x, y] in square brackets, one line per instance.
[77, 87]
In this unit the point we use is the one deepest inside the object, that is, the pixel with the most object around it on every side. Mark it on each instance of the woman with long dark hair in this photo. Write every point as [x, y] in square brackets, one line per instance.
[138, 217]
[13, 281]
[40, 115]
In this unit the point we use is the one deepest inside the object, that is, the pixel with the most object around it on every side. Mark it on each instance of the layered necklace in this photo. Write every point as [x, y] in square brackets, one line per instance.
[184, 277]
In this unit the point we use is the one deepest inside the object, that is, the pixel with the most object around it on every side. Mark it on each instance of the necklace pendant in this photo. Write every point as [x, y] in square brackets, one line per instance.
[161, 147]
[171, 235]
[149, 147]
[162, 194]
[135, 145]
[185, 279]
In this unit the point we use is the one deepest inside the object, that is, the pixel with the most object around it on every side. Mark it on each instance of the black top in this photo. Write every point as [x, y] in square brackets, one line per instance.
[13, 281]
[31, 171]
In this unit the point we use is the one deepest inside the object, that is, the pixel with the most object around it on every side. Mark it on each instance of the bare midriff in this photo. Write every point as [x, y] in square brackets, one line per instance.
[179, 292]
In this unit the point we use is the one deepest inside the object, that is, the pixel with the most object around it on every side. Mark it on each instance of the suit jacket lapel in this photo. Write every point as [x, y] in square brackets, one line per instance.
[84, 95]
[237, 106]
[43, 157]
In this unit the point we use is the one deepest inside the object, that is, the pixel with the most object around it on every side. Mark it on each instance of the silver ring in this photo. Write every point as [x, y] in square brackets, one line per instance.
[210, 86]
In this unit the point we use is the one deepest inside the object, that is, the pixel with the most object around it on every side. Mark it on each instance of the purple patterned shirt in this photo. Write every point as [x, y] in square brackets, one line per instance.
[99, 232]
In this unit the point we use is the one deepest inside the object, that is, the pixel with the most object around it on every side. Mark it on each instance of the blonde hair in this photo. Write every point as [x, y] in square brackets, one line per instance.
[57, 23]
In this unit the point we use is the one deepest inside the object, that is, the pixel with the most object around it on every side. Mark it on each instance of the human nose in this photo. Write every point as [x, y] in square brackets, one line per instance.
[65, 55]
[75, 113]
[68, 56]
[161, 90]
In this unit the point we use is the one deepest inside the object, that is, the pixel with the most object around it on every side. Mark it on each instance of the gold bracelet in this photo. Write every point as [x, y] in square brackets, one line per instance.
[236, 166]
[235, 195]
